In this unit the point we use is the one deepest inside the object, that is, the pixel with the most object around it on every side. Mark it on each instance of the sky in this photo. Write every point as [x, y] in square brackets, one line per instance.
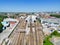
[29, 5]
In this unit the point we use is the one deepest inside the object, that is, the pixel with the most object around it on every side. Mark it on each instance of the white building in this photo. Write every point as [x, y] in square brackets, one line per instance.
[50, 22]
[50, 25]
[6, 22]
[10, 19]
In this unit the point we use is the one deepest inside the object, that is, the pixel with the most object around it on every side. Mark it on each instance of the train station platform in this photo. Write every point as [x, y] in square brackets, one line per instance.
[6, 33]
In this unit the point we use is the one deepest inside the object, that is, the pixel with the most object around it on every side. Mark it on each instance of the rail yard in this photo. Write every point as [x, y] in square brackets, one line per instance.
[27, 33]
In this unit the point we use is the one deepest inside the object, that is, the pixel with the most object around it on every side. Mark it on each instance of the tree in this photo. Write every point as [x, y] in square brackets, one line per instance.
[17, 14]
[39, 20]
[55, 15]
[1, 19]
[55, 33]
[1, 27]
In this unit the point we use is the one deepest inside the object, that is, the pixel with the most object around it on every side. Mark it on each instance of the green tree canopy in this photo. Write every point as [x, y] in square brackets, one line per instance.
[55, 15]
[1, 26]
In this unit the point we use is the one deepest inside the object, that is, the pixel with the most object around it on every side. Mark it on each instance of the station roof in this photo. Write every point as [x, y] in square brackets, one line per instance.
[10, 19]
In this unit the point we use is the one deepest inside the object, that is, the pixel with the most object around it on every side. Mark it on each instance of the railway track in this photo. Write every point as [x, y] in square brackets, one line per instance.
[38, 33]
[18, 36]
